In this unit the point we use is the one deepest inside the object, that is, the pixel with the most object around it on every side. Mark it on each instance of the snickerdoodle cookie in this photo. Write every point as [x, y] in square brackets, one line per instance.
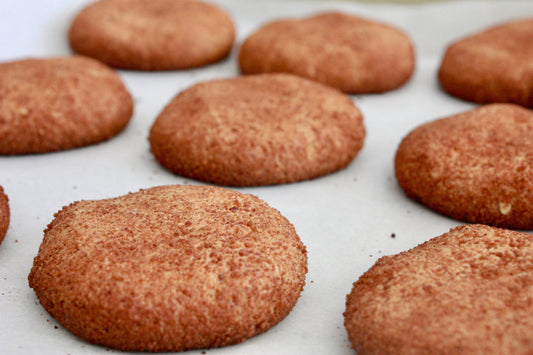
[257, 130]
[4, 213]
[476, 166]
[469, 291]
[350, 53]
[153, 35]
[59, 103]
[169, 268]
[492, 66]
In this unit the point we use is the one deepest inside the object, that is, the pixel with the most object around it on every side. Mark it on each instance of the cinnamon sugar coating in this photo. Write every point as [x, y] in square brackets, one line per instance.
[59, 103]
[169, 268]
[469, 291]
[154, 34]
[476, 166]
[493, 65]
[4, 214]
[257, 130]
[347, 52]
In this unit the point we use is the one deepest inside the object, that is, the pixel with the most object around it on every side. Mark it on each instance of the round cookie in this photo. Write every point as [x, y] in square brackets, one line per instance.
[491, 66]
[4, 214]
[169, 268]
[257, 130]
[469, 291]
[475, 166]
[152, 35]
[350, 53]
[59, 103]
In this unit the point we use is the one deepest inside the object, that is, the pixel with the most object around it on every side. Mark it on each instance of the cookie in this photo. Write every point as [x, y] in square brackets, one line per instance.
[469, 291]
[475, 166]
[257, 130]
[4, 213]
[491, 66]
[169, 268]
[350, 53]
[59, 103]
[152, 35]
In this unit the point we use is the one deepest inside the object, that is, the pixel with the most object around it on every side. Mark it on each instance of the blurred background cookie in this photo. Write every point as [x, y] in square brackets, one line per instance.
[475, 166]
[59, 103]
[469, 291]
[4, 213]
[169, 268]
[152, 35]
[493, 65]
[350, 53]
[257, 130]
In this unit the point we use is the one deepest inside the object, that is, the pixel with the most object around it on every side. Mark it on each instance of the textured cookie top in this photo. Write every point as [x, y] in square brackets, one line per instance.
[60, 103]
[469, 291]
[152, 35]
[4, 213]
[350, 53]
[492, 66]
[169, 268]
[257, 130]
[476, 166]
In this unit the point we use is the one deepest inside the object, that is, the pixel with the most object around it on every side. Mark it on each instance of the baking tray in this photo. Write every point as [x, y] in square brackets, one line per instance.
[347, 219]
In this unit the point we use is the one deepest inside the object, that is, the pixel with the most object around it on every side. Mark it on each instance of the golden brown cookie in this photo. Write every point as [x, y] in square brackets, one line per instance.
[476, 166]
[169, 268]
[59, 103]
[469, 291]
[152, 35]
[4, 213]
[492, 66]
[257, 130]
[350, 53]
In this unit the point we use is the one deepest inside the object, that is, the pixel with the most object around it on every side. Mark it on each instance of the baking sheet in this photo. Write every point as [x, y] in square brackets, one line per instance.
[347, 219]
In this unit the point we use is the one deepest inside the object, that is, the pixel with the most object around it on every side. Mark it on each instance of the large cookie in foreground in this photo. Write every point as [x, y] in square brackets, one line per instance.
[59, 103]
[4, 214]
[152, 35]
[469, 291]
[169, 268]
[492, 66]
[347, 52]
[476, 166]
[257, 130]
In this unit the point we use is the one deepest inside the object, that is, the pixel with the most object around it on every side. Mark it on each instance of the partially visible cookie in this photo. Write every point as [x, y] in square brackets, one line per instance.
[4, 213]
[152, 35]
[476, 166]
[59, 103]
[492, 66]
[257, 130]
[169, 268]
[469, 291]
[347, 52]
